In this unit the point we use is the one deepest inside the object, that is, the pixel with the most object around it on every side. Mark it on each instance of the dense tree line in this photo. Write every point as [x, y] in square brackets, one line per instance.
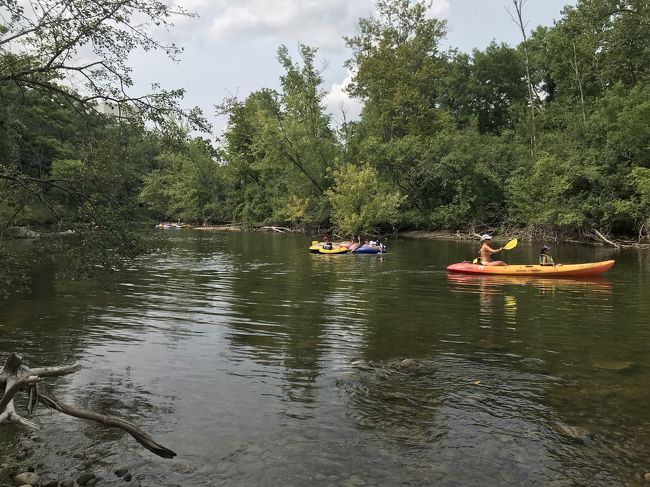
[551, 135]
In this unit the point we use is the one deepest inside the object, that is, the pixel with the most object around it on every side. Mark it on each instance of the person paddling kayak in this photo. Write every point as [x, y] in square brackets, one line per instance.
[487, 251]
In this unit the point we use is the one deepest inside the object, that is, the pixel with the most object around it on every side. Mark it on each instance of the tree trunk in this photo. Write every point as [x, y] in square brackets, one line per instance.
[579, 80]
[519, 4]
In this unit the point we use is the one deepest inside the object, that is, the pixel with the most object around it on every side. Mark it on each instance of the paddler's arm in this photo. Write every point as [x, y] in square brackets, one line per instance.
[493, 251]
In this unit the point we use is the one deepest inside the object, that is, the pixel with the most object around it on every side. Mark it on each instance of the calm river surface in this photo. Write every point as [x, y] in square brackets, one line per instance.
[261, 364]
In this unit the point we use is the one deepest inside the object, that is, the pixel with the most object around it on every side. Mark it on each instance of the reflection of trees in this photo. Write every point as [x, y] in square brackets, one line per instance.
[65, 313]
[281, 315]
[301, 307]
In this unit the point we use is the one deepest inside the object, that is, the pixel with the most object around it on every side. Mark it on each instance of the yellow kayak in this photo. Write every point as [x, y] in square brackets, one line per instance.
[558, 270]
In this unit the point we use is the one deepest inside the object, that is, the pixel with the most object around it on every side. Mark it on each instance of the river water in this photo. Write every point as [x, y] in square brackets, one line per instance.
[261, 364]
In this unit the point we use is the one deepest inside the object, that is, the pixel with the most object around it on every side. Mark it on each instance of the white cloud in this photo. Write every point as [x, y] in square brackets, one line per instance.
[339, 104]
[319, 23]
[439, 8]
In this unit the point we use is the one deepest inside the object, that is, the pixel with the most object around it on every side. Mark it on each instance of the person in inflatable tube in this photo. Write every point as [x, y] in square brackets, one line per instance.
[327, 245]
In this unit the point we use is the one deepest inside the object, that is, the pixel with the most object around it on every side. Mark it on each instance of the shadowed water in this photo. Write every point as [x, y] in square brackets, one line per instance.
[261, 364]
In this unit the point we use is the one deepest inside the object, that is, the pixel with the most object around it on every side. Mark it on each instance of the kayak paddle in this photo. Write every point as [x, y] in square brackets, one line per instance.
[510, 245]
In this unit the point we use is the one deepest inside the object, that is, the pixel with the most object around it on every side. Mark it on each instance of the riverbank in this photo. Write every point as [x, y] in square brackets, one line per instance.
[592, 237]
[36, 461]
[595, 239]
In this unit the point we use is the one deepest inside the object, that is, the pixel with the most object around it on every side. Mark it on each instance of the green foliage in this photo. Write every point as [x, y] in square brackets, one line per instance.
[398, 67]
[485, 88]
[41, 48]
[186, 186]
[554, 191]
[279, 148]
[451, 132]
[360, 203]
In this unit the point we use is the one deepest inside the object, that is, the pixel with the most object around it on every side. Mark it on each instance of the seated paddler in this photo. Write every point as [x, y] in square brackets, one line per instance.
[487, 251]
[544, 257]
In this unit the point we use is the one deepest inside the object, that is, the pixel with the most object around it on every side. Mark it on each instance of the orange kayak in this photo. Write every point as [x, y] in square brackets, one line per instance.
[558, 270]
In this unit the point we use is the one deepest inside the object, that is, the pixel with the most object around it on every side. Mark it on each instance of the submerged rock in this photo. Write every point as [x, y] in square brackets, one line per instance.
[407, 363]
[361, 364]
[571, 432]
[354, 481]
[614, 365]
[85, 478]
[27, 478]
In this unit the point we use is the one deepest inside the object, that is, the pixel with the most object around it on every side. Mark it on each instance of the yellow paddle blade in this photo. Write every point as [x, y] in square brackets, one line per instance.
[510, 245]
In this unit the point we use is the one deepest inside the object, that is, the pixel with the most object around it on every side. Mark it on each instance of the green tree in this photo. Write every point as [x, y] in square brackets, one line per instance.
[360, 203]
[62, 163]
[40, 42]
[398, 65]
[486, 87]
[186, 186]
[279, 147]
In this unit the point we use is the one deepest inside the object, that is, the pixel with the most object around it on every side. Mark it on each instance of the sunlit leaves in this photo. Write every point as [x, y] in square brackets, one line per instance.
[361, 203]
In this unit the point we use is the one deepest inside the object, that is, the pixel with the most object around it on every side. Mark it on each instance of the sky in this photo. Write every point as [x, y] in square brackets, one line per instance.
[230, 49]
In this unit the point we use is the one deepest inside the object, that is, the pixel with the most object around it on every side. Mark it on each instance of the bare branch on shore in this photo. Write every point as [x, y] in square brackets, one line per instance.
[600, 236]
[276, 229]
[15, 377]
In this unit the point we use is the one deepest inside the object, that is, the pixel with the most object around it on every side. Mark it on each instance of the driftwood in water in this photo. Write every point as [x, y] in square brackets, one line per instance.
[15, 377]
[276, 229]
[602, 237]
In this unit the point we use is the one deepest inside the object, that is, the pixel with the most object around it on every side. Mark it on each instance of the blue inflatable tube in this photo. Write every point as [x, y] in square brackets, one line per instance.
[367, 250]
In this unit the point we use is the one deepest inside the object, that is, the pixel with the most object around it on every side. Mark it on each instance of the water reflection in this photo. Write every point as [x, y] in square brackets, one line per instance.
[485, 283]
[262, 364]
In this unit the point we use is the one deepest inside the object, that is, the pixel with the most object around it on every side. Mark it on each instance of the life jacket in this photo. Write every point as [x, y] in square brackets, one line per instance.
[549, 259]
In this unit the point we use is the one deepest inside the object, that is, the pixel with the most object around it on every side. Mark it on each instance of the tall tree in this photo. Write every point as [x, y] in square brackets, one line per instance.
[281, 144]
[49, 45]
[517, 18]
[398, 64]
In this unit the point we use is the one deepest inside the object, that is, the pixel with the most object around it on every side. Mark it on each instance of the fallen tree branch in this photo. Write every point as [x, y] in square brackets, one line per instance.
[15, 376]
[54, 371]
[13, 386]
[277, 229]
[7, 411]
[107, 420]
[605, 239]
